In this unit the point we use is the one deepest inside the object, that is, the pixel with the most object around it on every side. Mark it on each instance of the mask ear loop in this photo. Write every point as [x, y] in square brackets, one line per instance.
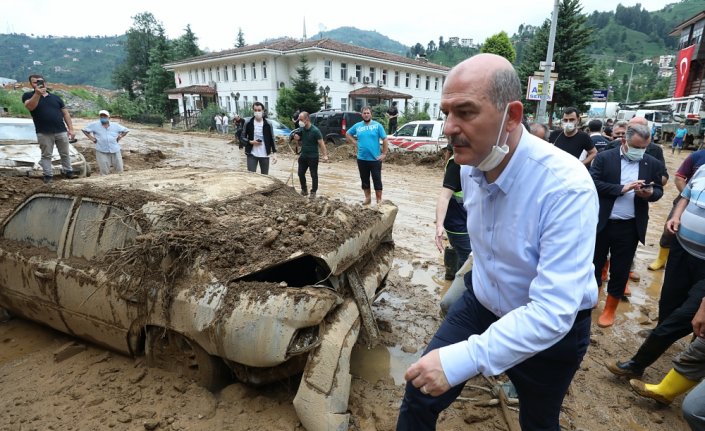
[501, 128]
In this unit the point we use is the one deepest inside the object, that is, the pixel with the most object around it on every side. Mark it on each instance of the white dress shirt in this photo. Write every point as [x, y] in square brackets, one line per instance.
[533, 240]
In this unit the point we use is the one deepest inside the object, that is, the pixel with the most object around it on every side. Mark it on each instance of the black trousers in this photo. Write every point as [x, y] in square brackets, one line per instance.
[683, 288]
[308, 163]
[541, 381]
[619, 238]
[369, 168]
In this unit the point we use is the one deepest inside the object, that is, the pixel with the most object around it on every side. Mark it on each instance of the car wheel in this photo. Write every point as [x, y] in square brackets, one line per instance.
[174, 352]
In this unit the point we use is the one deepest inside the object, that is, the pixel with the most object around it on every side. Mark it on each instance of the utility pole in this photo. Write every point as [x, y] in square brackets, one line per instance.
[541, 114]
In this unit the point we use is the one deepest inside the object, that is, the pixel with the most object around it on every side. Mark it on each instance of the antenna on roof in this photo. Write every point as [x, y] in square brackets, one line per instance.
[304, 39]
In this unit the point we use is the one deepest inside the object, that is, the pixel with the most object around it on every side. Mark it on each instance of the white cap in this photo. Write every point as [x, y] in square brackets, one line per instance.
[104, 112]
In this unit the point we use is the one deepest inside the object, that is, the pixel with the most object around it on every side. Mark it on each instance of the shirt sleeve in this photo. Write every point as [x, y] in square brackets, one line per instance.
[382, 133]
[686, 168]
[588, 144]
[353, 130]
[451, 179]
[566, 244]
[89, 128]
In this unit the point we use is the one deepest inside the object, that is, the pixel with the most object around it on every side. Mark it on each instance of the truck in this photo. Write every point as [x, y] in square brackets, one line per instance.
[696, 131]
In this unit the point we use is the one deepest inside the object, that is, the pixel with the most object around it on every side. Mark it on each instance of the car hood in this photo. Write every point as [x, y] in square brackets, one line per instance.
[28, 152]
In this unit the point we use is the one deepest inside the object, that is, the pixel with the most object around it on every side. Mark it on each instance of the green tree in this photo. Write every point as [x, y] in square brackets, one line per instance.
[286, 106]
[304, 94]
[187, 45]
[141, 38]
[575, 83]
[501, 45]
[158, 79]
[240, 38]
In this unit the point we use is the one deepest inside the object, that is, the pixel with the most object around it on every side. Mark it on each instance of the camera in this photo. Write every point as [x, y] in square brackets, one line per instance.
[40, 83]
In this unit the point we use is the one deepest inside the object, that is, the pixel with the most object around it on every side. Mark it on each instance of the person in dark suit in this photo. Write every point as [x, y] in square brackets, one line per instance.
[626, 180]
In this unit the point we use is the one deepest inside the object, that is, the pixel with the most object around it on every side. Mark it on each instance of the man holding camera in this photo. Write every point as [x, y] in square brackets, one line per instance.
[52, 123]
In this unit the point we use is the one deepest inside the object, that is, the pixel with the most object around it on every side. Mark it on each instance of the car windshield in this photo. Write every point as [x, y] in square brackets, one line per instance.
[17, 132]
[406, 130]
[663, 117]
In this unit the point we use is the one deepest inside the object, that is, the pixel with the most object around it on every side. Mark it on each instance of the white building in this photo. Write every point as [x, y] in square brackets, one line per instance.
[353, 76]
[666, 60]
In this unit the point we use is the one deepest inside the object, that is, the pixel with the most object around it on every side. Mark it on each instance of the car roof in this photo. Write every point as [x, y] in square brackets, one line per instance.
[191, 185]
[12, 120]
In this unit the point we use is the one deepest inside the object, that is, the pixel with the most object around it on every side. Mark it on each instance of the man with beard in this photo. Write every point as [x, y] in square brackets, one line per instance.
[573, 140]
[532, 214]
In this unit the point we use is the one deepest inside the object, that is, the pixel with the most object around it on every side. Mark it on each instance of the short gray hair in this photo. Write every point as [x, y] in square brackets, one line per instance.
[620, 123]
[534, 127]
[638, 130]
[504, 87]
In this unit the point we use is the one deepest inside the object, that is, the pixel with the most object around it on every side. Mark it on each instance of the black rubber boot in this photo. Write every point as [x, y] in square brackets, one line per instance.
[652, 348]
[450, 261]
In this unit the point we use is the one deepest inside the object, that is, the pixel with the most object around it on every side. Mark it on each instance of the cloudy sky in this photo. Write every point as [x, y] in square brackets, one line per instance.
[216, 23]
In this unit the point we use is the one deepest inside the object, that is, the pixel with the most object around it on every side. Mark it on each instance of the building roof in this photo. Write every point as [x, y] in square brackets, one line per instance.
[288, 45]
[192, 89]
[379, 93]
[690, 21]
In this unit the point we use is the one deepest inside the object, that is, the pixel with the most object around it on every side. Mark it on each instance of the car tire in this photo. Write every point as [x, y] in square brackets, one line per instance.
[174, 352]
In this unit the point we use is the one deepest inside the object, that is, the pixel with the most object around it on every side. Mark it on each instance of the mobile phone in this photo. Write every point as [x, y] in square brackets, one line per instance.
[258, 140]
[40, 83]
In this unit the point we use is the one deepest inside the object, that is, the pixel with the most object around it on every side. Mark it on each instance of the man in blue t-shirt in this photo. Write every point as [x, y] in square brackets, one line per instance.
[678, 139]
[366, 135]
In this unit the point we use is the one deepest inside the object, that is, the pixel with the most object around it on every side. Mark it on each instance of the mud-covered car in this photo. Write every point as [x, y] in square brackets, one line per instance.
[20, 152]
[205, 272]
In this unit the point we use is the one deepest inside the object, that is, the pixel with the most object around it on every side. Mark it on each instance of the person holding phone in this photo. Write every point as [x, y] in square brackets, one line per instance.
[260, 141]
[53, 125]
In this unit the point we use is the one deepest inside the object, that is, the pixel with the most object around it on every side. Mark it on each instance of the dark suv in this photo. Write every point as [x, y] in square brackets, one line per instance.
[333, 124]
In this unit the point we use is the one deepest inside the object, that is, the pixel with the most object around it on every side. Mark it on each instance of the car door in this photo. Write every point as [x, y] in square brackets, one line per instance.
[97, 304]
[32, 240]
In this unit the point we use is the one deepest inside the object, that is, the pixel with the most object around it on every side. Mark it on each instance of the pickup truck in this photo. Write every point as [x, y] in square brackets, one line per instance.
[696, 132]
[419, 136]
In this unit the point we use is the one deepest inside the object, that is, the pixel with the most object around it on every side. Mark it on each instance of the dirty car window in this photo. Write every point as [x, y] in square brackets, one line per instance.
[40, 222]
[100, 228]
[17, 132]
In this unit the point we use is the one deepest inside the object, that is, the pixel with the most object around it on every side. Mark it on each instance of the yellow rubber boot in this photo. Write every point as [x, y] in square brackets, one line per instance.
[660, 260]
[665, 392]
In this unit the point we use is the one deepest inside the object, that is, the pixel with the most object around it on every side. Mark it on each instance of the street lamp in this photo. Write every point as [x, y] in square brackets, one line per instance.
[324, 90]
[629, 86]
[236, 96]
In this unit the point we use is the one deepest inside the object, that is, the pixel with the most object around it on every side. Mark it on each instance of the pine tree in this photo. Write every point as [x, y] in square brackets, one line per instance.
[187, 45]
[575, 84]
[240, 38]
[501, 45]
[141, 38]
[304, 95]
[158, 79]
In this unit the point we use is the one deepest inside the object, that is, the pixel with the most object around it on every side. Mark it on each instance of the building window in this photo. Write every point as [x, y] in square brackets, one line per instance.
[210, 74]
[327, 66]
[343, 71]
[234, 72]
[372, 75]
[225, 73]
[435, 107]
[203, 75]
[264, 70]
[244, 72]
[217, 73]
[227, 100]
[190, 77]
[435, 85]
[343, 104]
[408, 79]
[220, 101]
[428, 82]
[254, 99]
[266, 102]
[396, 78]
[254, 71]
[358, 72]
[245, 102]
[384, 76]
[418, 81]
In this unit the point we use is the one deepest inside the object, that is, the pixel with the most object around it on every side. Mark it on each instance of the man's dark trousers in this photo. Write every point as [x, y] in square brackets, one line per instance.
[541, 381]
[620, 238]
[310, 163]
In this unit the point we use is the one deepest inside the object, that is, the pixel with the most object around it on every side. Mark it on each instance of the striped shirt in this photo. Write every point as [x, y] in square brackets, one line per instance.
[691, 233]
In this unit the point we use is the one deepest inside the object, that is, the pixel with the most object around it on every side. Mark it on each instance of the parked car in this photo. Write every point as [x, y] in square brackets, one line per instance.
[277, 128]
[333, 124]
[20, 152]
[419, 136]
[204, 273]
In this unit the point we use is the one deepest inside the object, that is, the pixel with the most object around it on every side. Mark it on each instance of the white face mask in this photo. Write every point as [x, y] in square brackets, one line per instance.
[568, 127]
[258, 115]
[495, 157]
[302, 124]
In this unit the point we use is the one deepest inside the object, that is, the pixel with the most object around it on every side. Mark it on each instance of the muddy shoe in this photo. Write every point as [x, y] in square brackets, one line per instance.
[70, 175]
[628, 369]
[47, 179]
[640, 388]
[312, 195]
[304, 192]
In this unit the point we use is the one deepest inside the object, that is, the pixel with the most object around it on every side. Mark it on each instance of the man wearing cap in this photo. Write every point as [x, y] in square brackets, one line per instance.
[106, 136]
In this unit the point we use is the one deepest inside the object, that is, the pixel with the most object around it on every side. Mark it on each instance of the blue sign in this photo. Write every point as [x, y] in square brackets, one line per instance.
[600, 95]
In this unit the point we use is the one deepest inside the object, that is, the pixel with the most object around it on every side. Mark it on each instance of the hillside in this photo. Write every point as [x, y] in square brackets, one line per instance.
[365, 38]
[70, 60]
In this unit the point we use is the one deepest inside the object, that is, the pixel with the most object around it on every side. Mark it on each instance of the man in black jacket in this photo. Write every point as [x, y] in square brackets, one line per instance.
[626, 180]
[259, 140]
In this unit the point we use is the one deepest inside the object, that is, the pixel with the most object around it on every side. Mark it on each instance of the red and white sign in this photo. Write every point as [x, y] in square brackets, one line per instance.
[682, 70]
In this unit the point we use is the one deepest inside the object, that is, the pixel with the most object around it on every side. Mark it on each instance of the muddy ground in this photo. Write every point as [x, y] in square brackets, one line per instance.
[97, 389]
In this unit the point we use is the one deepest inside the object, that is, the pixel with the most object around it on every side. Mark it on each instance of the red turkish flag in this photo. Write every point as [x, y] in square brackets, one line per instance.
[682, 70]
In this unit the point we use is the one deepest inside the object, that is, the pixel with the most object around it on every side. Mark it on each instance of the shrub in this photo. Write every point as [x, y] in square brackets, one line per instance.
[12, 102]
